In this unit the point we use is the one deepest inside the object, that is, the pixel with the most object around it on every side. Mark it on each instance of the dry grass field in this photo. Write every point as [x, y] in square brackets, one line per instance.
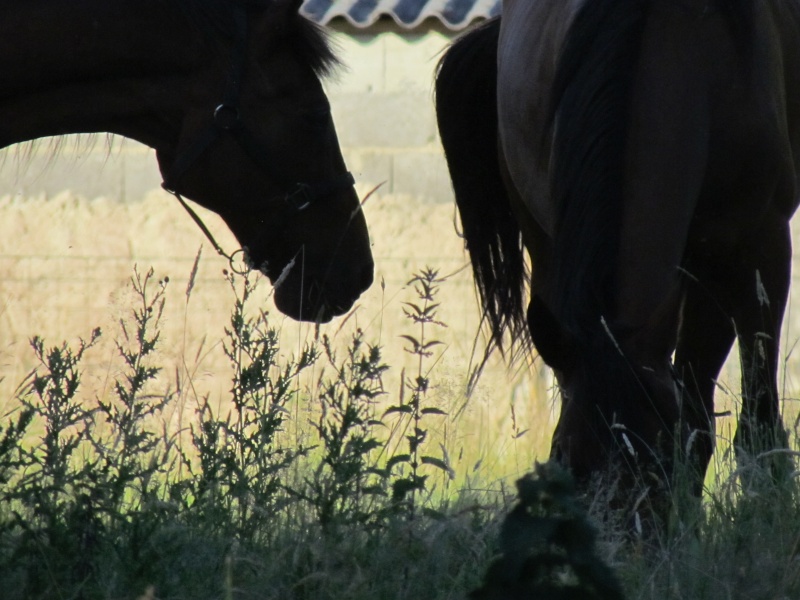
[66, 261]
[66, 264]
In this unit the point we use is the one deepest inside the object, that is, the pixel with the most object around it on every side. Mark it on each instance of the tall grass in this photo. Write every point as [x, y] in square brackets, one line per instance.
[311, 479]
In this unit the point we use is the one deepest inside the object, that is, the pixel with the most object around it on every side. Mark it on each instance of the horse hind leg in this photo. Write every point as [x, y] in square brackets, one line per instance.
[705, 338]
[758, 322]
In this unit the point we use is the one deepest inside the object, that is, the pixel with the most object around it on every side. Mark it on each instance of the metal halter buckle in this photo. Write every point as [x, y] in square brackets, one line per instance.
[226, 117]
[300, 198]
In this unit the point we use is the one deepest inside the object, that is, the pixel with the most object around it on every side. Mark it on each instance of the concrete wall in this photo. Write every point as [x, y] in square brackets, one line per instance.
[383, 109]
[89, 166]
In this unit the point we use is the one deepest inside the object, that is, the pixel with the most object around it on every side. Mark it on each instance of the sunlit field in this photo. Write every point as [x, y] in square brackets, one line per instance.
[200, 445]
[61, 282]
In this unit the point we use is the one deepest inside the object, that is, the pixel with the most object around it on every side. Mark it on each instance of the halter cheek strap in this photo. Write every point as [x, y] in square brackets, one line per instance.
[231, 258]
[226, 121]
[299, 199]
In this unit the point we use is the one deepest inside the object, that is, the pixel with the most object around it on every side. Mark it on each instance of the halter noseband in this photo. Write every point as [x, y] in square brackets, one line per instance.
[226, 120]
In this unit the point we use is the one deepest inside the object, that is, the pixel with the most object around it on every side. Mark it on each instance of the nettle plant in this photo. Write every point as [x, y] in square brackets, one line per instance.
[345, 488]
[415, 410]
[359, 470]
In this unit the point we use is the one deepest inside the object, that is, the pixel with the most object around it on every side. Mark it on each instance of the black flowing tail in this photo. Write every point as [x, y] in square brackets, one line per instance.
[466, 110]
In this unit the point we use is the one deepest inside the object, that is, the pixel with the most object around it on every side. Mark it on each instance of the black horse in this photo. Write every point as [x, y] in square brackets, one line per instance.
[646, 155]
[228, 93]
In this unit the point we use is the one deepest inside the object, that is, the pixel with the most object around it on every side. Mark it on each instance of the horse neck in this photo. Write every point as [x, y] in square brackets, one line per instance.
[92, 66]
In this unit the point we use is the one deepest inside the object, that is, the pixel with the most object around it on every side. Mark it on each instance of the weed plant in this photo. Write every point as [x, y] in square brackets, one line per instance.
[238, 464]
[109, 503]
[101, 499]
[423, 312]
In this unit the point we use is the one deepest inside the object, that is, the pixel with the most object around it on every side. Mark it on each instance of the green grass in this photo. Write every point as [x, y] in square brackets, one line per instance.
[312, 480]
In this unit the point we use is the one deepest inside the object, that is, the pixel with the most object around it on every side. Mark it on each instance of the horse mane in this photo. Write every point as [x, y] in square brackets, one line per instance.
[313, 44]
[466, 111]
[308, 40]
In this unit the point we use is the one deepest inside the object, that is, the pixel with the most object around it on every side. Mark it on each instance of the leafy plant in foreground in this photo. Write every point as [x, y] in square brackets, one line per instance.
[132, 453]
[88, 492]
[52, 527]
[11, 436]
[422, 313]
[50, 395]
[548, 546]
[237, 478]
[346, 479]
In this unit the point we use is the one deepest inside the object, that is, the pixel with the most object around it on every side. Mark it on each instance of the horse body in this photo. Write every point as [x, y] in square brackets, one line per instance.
[526, 70]
[649, 153]
[156, 71]
[99, 53]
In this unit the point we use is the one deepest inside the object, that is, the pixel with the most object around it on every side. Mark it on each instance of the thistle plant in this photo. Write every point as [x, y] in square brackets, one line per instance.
[237, 477]
[49, 395]
[132, 452]
[12, 432]
[53, 524]
[346, 478]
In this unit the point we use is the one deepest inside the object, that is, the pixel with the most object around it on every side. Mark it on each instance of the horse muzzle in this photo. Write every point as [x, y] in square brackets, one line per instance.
[319, 298]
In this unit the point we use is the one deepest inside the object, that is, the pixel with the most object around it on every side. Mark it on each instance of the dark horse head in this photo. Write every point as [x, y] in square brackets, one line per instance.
[228, 93]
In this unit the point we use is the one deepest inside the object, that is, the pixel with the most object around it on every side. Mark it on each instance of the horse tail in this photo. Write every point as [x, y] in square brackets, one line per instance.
[588, 117]
[466, 110]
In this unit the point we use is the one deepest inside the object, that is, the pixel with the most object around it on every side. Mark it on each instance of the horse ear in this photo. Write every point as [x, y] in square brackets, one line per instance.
[551, 340]
[288, 7]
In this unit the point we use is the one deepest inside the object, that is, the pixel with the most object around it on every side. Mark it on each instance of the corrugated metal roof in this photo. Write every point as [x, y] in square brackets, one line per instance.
[454, 14]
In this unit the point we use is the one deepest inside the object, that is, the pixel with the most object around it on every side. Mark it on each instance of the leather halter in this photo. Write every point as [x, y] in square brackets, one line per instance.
[226, 120]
